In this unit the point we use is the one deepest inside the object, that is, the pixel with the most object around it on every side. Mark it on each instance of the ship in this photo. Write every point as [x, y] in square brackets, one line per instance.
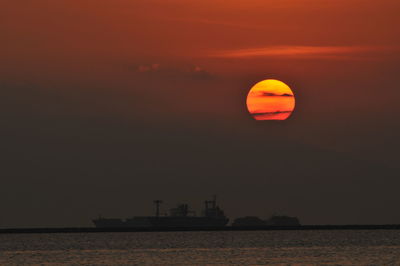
[179, 217]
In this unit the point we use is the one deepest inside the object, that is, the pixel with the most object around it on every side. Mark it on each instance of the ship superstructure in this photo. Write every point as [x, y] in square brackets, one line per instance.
[180, 216]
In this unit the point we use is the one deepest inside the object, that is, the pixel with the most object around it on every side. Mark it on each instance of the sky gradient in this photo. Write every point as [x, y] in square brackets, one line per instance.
[107, 105]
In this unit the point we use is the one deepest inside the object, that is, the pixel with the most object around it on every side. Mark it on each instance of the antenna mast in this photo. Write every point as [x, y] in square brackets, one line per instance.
[157, 203]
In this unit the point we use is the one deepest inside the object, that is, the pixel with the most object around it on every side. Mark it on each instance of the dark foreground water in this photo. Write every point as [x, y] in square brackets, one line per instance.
[379, 247]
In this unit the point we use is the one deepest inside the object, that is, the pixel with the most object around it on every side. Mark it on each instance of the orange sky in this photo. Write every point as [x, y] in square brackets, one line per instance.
[312, 44]
[132, 29]
[100, 45]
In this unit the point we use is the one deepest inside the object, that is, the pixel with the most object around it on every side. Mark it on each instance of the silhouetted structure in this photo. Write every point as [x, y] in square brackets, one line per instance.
[180, 217]
[158, 202]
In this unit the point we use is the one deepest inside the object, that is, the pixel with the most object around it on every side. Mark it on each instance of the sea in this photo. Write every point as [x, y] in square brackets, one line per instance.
[305, 247]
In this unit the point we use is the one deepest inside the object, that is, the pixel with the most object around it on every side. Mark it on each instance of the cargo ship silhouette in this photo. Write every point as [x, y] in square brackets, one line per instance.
[180, 216]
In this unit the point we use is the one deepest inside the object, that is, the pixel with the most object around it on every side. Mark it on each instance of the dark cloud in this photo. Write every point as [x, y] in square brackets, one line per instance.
[271, 113]
[271, 94]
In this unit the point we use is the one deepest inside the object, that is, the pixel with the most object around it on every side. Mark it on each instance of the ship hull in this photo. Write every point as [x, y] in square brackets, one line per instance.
[162, 222]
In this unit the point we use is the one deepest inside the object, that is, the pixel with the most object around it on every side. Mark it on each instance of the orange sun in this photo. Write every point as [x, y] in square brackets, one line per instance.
[270, 99]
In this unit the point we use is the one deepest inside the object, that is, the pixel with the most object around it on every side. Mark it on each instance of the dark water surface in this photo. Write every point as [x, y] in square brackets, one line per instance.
[347, 247]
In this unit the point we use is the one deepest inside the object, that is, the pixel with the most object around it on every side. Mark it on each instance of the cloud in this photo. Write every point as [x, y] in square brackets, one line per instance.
[271, 94]
[271, 113]
[306, 52]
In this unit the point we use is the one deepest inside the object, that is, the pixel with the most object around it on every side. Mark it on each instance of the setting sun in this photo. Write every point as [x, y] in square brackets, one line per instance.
[270, 100]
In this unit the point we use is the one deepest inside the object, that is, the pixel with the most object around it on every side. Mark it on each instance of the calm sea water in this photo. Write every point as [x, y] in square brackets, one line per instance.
[381, 247]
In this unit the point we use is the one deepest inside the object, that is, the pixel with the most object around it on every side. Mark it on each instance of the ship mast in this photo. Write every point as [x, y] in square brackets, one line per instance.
[157, 203]
[211, 207]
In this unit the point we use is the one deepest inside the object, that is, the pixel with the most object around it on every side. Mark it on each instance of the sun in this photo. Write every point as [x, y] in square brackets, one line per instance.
[270, 99]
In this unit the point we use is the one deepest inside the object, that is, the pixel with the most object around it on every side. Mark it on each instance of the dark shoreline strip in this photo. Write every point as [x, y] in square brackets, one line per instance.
[183, 229]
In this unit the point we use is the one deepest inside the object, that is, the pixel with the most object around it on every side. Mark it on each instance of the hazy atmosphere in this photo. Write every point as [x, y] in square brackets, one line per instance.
[108, 105]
